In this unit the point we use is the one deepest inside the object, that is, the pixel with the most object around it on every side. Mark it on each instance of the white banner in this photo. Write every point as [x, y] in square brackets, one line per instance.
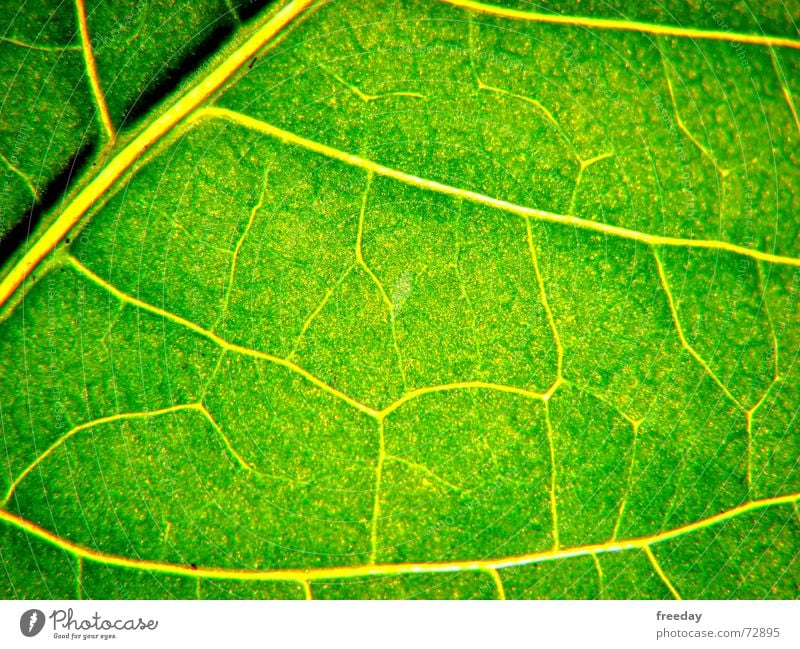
[401, 624]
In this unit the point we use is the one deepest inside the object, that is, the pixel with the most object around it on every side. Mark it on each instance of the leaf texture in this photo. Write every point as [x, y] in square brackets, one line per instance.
[408, 299]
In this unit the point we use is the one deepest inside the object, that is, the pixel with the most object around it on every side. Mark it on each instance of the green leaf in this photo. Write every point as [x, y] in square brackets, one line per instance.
[409, 299]
[67, 93]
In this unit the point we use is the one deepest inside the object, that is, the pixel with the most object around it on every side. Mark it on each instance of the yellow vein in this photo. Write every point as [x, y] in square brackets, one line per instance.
[240, 243]
[91, 69]
[763, 291]
[476, 197]
[628, 481]
[224, 344]
[306, 589]
[239, 459]
[553, 501]
[207, 382]
[146, 414]
[246, 351]
[600, 577]
[764, 397]
[660, 571]
[498, 583]
[110, 328]
[90, 424]
[308, 574]
[151, 134]
[626, 25]
[590, 161]
[584, 165]
[79, 578]
[360, 233]
[543, 297]
[459, 246]
[25, 177]
[749, 414]
[587, 390]
[679, 328]
[316, 311]
[787, 94]
[533, 102]
[485, 86]
[376, 504]
[461, 385]
[482, 85]
[363, 96]
[40, 48]
[682, 125]
[193, 239]
[232, 9]
[422, 469]
[375, 280]
[776, 377]
[749, 428]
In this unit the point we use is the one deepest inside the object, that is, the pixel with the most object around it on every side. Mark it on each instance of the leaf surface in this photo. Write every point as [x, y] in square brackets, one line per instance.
[419, 299]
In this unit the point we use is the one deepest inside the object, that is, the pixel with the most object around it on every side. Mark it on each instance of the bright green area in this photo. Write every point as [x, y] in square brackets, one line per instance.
[205, 357]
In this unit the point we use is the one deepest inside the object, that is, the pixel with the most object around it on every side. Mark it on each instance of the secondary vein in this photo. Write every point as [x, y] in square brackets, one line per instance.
[305, 575]
[91, 70]
[288, 137]
[218, 340]
[290, 365]
[618, 24]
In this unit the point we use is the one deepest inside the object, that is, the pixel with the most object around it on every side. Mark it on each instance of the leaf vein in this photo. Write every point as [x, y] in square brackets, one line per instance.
[679, 328]
[625, 25]
[660, 572]
[91, 70]
[305, 575]
[287, 137]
